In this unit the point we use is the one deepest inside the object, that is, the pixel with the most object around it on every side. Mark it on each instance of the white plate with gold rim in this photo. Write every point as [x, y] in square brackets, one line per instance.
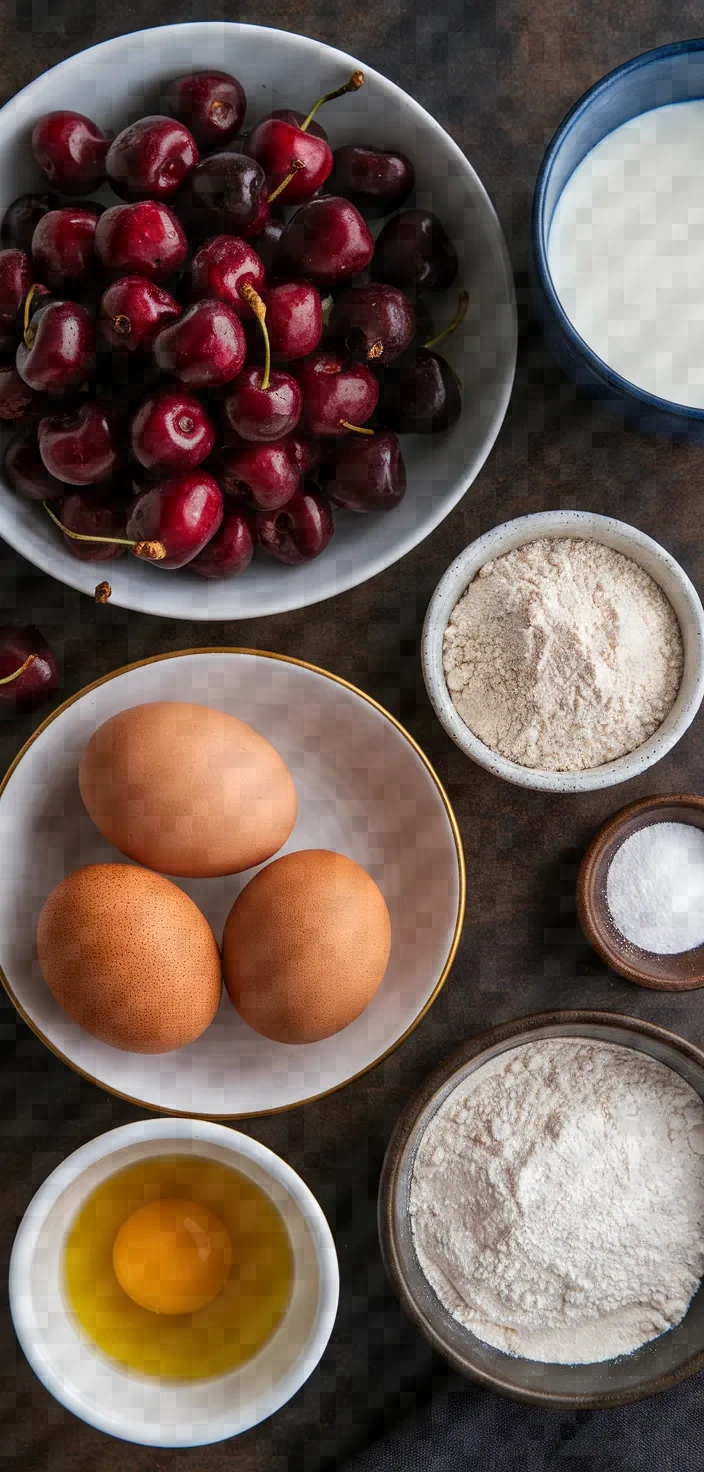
[364, 789]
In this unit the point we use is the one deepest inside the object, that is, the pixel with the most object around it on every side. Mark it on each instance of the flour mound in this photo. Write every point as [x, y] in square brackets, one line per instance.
[563, 655]
[557, 1200]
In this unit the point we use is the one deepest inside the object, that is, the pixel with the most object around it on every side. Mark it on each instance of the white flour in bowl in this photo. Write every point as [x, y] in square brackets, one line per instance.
[557, 1200]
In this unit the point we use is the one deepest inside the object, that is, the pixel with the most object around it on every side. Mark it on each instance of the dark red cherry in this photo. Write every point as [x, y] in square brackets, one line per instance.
[260, 220]
[70, 151]
[79, 446]
[25, 470]
[144, 238]
[280, 147]
[290, 115]
[376, 322]
[58, 349]
[367, 474]
[221, 267]
[420, 394]
[294, 318]
[414, 249]
[171, 431]
[205, 348]
[182, 513]
[325, 242]
[230, 551]
[267, 240]
[377, 180]
[306, 453]
[16, 277]
[17, 398]
[132, 311]
[222, 195]
[337, 394]
[298, 531]
[265, 476]
[151, 158]
[263, 411]
[212, 104]
[93, 514]
[22, 217]
[63, 245]
[28, 671]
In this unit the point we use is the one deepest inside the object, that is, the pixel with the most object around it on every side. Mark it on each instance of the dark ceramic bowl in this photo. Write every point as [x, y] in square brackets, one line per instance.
[654, 79]
[658, 1365]
[679, 973]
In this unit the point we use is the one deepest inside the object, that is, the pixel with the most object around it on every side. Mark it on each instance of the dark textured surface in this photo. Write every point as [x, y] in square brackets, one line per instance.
[499, 78]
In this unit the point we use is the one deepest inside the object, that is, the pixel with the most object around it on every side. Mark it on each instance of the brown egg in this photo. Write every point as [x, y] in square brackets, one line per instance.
[306, 945]
[129, 957]
[187, 790]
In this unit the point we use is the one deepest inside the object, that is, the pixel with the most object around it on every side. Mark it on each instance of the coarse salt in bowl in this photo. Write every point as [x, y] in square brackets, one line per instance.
[653, 558]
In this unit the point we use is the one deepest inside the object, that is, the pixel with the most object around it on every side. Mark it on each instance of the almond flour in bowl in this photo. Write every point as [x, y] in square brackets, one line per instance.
[563, 654]
[557, 1200]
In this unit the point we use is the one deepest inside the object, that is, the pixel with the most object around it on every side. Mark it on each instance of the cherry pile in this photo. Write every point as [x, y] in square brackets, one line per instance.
[196, 373]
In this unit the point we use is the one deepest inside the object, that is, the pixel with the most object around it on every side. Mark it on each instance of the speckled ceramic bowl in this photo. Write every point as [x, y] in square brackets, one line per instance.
[623, 538]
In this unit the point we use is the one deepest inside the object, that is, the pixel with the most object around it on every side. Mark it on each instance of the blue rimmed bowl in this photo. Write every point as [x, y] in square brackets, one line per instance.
[666, 75]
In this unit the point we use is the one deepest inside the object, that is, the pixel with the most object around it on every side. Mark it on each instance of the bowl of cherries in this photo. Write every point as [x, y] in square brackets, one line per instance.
[253, 299]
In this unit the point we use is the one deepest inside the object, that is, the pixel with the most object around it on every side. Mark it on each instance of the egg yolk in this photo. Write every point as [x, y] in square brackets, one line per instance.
[172, 1256]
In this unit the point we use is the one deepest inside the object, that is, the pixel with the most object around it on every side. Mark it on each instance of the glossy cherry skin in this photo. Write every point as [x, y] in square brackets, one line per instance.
[290, 115]
[222, 195]
[230, 551]
[25, 470]
[306, 453]
[420, 394]
[212, 104]
[376, 322]
[16, 277]
[220, 269]
[61, 354]
[63, 245]
[183, 513]
[336, 393]
[367, 474]
[377, 180]
[414, 249]
[205, 348]
[265, 476]
[80, 446]
[325, 242]
[17, 398]
[70, 151]
[294, 318]
[151, 158]
[40, 679]
[298, 531]
[132, 311]
[263, 415]
[171, 431]
[22, 217]
[275, 144]
[267, 240]
[93, 514]
[144, 238]
[260, 220]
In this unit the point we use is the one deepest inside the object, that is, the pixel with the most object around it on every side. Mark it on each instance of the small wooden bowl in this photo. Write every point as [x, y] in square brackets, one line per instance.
[679, 973]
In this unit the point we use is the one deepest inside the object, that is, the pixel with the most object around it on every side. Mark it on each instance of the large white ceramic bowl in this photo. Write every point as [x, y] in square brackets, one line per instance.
[139, 1408]
[364, 789]
[623, 538]
[118, 81]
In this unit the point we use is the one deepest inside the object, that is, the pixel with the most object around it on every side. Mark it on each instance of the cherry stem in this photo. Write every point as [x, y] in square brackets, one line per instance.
[353, 85]
[102, 593]
[35, 290]
[254, 300]
[459, 317]
[152, 551]
[357, 428]
[296, 165]
[7, 679]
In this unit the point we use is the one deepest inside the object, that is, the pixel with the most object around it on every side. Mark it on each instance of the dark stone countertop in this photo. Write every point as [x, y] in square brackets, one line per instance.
[500, 78]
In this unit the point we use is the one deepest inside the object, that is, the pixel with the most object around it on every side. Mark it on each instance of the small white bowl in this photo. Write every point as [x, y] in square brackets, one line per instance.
[150, 1411]
[623, 538]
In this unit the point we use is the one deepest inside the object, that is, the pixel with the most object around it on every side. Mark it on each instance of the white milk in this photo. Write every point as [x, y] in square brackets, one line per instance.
[626, 251]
